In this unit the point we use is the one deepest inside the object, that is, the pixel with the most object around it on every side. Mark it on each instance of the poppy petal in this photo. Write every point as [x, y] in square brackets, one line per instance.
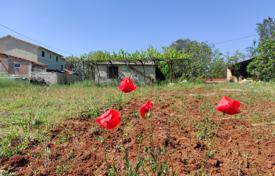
[226, 105]
[127, 85]
[110, 119]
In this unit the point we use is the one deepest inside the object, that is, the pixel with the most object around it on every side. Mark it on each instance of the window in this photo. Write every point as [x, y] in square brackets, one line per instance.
[62, 67]
[112, 72]
[56, 59]
[50, 56]
[17, 65]
[43, 53]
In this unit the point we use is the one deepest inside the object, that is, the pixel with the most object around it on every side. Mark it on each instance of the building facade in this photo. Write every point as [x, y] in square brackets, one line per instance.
[113, 72]
[34, 53]
[11, 65]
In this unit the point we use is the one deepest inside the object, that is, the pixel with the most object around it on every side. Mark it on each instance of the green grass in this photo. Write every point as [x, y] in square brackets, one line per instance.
[27, 112]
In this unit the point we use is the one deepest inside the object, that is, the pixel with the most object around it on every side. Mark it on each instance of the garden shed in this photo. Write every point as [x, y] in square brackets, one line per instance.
[113, 71]
[238, 71]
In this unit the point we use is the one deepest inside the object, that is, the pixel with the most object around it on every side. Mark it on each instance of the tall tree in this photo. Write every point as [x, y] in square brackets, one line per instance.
[217, 65]
[232, 60]
[198, 63]
[263, 66]
[266, 29]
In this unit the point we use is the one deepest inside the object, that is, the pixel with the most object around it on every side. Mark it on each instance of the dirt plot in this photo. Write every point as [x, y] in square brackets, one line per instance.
[185, 134]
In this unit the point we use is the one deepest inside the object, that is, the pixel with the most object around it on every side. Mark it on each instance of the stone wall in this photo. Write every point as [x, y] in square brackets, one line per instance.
[55, 77]
[140, 74]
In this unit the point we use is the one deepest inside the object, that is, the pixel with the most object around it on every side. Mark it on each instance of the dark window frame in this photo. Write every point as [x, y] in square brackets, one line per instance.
[43, 53]
[112, 72]
[17, 65]
[56, 58]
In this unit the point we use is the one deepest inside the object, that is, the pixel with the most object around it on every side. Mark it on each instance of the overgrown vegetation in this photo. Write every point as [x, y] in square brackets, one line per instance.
[263, 66]
[183, 59]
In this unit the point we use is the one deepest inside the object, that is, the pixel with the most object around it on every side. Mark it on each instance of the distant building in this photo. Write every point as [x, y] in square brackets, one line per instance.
[22, 49]
[16, 66]
[238, 71]
[113, 71]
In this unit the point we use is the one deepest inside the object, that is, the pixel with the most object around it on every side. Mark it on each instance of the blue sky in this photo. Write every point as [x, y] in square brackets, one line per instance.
[80, 26]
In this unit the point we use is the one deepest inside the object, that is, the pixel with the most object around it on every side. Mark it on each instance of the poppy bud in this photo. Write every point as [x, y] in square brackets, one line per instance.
[145, 108]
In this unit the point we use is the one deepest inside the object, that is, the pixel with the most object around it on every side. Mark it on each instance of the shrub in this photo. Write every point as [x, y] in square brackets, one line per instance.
[263, 66]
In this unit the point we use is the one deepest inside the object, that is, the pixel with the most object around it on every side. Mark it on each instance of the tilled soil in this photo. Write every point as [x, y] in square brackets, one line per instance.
[220, 145]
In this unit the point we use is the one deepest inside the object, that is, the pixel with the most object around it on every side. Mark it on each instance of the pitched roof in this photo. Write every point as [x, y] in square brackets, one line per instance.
[26, 60]
[10, 36]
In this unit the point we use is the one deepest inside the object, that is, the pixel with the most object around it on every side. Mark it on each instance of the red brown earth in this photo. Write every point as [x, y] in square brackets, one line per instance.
[79, 147]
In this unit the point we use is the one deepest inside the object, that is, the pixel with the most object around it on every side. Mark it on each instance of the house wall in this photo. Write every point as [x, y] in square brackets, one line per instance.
[19, 49]
[50, 60]
[136, 72]
[7, 66]
[2, 69]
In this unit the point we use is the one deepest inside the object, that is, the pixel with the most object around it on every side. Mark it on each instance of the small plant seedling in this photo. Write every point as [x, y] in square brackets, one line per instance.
[140, 138]
[64, 138]
[62, 169]
[206, 129]
[113, 171]
[136, 114]
[123, 118]
[5, 173]
[211, 154]
[100, 139]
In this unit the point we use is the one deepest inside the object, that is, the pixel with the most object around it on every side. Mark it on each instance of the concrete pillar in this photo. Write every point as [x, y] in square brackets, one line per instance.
[30, 70]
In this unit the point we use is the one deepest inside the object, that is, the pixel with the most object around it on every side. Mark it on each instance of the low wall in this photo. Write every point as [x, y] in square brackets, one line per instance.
[55, 77]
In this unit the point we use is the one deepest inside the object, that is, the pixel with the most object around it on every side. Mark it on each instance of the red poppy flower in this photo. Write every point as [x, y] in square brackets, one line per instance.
[110, 119]
[127, 85]
[228, 106]
[145, 108]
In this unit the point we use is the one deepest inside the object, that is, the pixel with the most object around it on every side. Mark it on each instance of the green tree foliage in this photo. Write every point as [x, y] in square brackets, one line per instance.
[187, 59]
[263, 66]
[266, 29]
[150, 54]
[232, 60]
[204, 61]
[165, 55]
[217, 66]
[252, 50]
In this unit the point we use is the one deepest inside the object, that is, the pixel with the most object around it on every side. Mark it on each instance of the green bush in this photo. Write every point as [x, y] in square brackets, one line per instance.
[263, 66]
